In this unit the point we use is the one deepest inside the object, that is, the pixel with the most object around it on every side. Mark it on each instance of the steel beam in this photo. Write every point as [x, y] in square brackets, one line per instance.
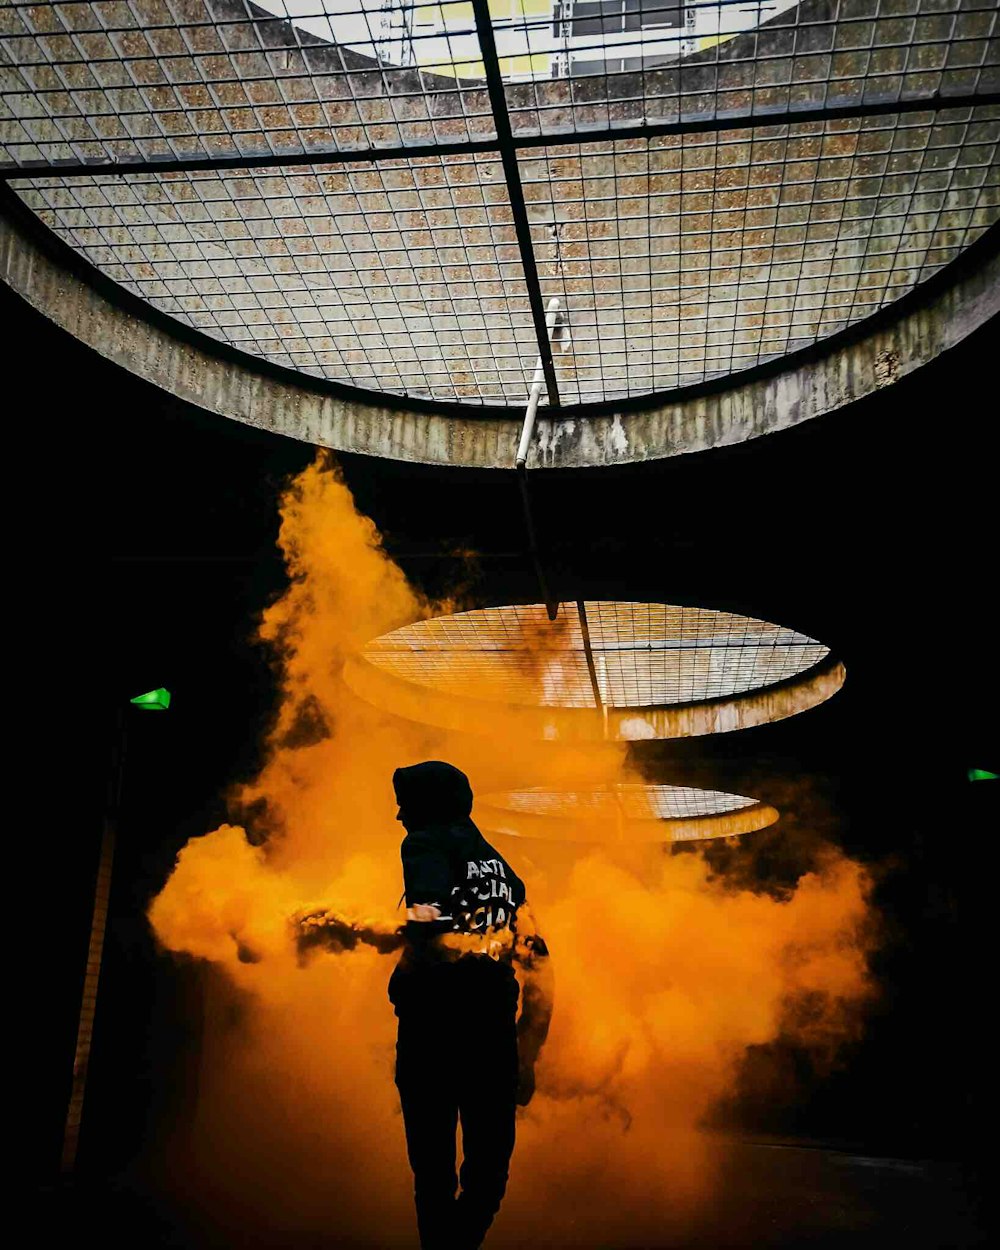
[543, 139]
[515, 192]
[581, 609]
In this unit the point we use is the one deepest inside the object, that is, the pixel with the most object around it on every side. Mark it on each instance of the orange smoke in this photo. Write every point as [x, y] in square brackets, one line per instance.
[665, 972]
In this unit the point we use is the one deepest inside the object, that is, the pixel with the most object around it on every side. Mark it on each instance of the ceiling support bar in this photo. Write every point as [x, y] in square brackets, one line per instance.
[528, 428]
[551, 604]
[581, 609]
[412, 151]
[521, 465]
[515, 192]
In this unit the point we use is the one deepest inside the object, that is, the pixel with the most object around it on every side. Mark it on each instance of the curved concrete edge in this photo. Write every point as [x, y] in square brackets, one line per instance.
[188, 368]
[828, 380]
[718, 716]
[539, 828]
[192, 372]
[430, 707]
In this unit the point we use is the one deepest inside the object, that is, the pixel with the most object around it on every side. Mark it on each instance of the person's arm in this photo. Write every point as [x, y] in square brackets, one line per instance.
[537, 993]
[426, 880]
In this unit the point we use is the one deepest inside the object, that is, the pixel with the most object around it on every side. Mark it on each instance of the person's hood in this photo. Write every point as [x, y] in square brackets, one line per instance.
[432, 793]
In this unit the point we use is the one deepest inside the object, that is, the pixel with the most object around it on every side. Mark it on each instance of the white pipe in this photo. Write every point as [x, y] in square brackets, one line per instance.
[536, 390]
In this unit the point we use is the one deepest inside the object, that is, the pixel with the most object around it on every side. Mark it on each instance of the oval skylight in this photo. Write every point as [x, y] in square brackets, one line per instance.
[625, 812]
[640, 670]
[704, 188]
[534, 38]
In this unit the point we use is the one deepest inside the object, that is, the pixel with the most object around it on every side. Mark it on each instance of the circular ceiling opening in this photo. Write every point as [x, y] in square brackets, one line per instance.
[600, 670]
[390, 197]
[534, 38]
[626, 812]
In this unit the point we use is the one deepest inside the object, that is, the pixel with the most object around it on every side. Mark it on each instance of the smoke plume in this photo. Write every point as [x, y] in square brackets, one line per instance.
[665, 970]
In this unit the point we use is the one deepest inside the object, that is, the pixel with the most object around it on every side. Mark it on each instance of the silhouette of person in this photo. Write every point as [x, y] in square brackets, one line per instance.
[462, 1053]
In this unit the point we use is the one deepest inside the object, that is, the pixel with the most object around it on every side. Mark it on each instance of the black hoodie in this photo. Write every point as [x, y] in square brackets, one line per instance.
[448, 863]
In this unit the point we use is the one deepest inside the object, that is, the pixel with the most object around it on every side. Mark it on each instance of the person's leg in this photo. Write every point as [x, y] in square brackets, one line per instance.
[487, 1106]
[428, 1096]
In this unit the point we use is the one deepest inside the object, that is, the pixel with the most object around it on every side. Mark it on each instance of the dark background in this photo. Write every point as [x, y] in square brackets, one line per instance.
[151, 527]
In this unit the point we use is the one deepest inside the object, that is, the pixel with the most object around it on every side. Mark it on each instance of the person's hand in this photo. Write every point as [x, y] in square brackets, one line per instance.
[423, 911]
[525, 1084]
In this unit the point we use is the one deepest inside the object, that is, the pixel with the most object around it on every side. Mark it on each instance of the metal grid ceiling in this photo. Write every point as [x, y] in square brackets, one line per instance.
[402, 276]
[632, 800]
[644, 655]
[688, 230]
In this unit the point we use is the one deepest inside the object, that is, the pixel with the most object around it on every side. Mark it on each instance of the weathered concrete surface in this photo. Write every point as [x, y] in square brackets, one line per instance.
[427, 706]
[308, 411]
[335, 97]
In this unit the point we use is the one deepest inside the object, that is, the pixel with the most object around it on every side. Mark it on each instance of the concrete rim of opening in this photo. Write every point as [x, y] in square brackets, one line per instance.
[661, 296]
[870, 356]
[497, 816]
[743, 708]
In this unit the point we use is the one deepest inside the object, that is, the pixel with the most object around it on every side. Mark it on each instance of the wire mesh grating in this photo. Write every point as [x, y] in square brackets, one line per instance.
[634, 800]
[645, 655]
[622, 812]
[367, 235]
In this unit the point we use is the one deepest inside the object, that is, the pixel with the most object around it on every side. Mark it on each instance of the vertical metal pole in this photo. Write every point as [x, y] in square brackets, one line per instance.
[551, 605]
[588, 650]
[528, 428]
[515, 191]
[98, 926]
[521, 465]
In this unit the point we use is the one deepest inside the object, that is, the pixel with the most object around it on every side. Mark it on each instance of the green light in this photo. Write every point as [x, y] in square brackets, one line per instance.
[153, 700]
[980, 774]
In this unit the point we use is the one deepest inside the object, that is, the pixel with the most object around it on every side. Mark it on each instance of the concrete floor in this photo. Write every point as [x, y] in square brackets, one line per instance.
[773, 1195]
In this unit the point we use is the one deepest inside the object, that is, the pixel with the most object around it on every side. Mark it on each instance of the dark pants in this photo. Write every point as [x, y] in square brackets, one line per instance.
[449, 1071]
